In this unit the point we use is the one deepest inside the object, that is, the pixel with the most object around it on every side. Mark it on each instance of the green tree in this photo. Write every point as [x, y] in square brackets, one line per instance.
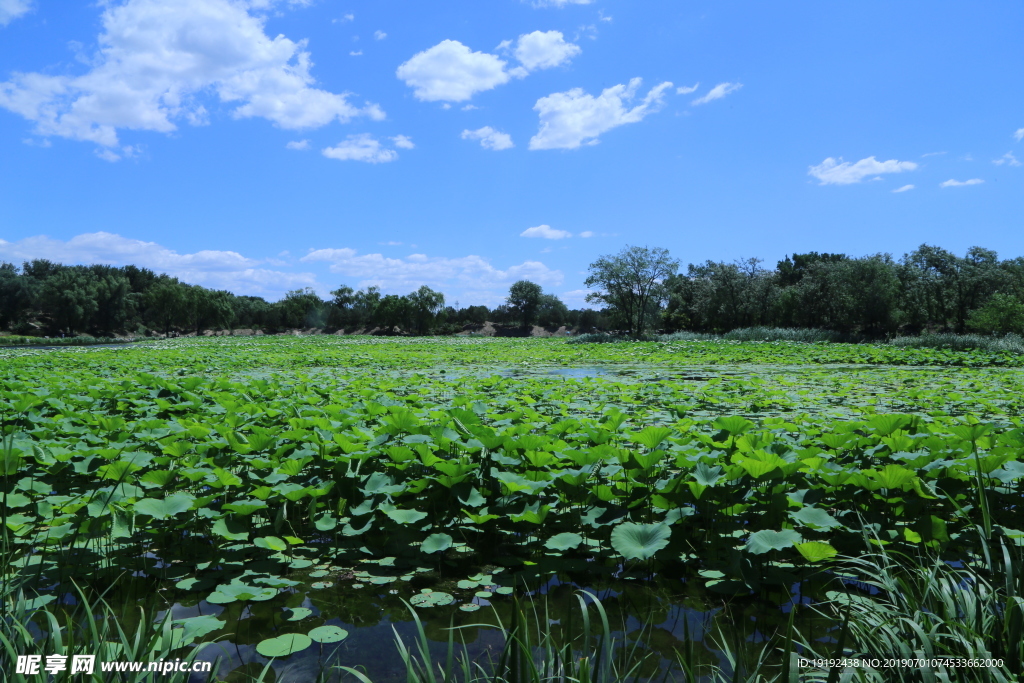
[69, 296]
[426, 306]
[165, 304]
[523, 301]
[17, 293]
[551, 312]
[1002, 313]
[392, 313]
[632, 283]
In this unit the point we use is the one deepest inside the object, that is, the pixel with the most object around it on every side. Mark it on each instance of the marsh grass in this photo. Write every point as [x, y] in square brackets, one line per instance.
[1010, 343]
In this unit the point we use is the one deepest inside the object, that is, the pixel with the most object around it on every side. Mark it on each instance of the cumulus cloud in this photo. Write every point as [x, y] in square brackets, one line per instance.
[587, 233]
[545, 232]
[839, 172]
[158, 61]
[573, 118]
[403, 142]
[961, 183]
[217, 269]
[12, 9]
[489, 138]
[379, 35]
[362, 147]
[401, 275]
[1019, 135]
[718, 92]
[452, 72]
[905, 188]
[686, 90]
[298, 144]
[542, 50]
[1007, 159]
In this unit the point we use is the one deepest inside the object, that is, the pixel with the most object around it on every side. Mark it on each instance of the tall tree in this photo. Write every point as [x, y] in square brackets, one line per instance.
[69, 296]
[524, 301]
[632, 283]
[426, 305]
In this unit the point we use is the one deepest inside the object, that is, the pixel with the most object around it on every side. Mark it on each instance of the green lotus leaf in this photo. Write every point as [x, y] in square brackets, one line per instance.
[816, 551]
[436, 543]
[299, 613]
[282, 646]
[564, 541]
[767, 540]
[816, 518]
[640, 541]
[469, 607]
[165, 508]
[432, 599]
[328, 634]
[651, 437]
[270, 543]
[406, 516]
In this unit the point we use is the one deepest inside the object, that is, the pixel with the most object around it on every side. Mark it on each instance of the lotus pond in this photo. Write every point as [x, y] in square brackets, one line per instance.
[289, 497]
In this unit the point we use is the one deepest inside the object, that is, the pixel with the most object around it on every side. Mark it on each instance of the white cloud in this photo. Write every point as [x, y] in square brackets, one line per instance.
[298, 144]
[355, 53]
[718, 92]
[587, 233]
[361, 147]
[576, 298]
[687, 90]
[451, 71]
[1019, 135]
[403, 142]
[543, 50]
[573, 118]
[216, 269]
[932, 154]
[961, 183]
[108, 155]
[833, 172]
[546, 232]
[905, 188]
[1007, 159]
[12, 9]
[489, 138]
[401, 275]
[379, 35]
[158, 61]
[346, 18]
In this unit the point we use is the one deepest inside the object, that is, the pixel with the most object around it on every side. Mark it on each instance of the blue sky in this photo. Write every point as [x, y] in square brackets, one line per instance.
[266, 145]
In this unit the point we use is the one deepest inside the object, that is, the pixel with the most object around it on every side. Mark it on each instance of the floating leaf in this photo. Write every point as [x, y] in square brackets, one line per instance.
[564, 541]
[328, 634]
[282, 646]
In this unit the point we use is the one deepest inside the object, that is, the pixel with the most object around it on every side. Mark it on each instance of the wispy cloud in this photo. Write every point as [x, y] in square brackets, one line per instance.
[211, 268]
[1007, 159]
[838, 172]
[686, 90]
[905, 188]
[489, 138]
[961, 183]
[718, 92]
[379, 35]
[12, 9]
[574, 118]
[362, 147]
[545, 232]
[298, 144]
[401, 275]
[1019, 135]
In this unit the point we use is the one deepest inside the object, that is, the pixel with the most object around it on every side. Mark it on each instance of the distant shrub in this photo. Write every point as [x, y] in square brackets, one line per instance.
[1011, 343]
[605, 338]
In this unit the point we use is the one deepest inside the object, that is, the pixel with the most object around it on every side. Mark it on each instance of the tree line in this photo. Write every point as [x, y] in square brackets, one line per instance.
[42, 297]
[929, 289]
[639, 290]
